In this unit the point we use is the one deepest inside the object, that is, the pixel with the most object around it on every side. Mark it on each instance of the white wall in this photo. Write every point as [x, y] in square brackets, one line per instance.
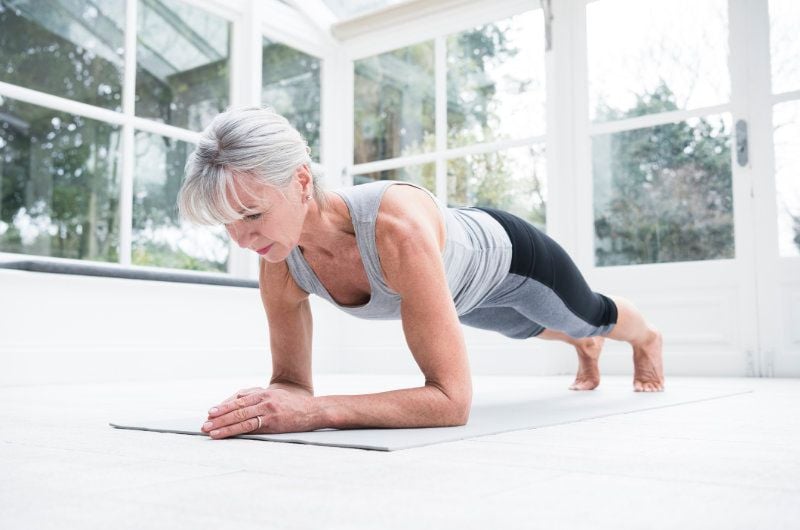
[68, 329]
[64, 328]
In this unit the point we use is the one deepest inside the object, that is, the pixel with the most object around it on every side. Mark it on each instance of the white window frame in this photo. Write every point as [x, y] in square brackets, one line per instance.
[435, 21]
[248, 25]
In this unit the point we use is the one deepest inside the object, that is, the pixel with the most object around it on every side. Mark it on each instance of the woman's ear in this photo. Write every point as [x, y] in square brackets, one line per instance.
[305, 179]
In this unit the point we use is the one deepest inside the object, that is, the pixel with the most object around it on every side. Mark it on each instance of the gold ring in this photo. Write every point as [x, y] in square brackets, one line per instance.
[259, 422]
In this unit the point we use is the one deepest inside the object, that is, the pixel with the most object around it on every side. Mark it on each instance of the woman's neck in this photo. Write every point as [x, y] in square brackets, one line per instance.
[325, 230]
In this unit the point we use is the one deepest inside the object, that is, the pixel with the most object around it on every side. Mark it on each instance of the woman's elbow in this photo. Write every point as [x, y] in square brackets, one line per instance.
[461, 408]
[454, 404]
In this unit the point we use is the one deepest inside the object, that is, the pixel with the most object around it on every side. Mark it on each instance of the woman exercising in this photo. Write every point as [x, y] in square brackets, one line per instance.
[387, 250]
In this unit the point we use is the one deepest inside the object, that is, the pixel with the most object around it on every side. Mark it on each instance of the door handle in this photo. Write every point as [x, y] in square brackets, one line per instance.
[741, 143]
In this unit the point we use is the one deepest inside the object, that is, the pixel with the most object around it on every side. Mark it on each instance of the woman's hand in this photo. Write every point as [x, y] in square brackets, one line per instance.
[279, 410]
[242, 393]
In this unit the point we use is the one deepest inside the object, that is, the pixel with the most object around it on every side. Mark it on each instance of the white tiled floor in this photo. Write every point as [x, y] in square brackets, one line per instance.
[726, 463]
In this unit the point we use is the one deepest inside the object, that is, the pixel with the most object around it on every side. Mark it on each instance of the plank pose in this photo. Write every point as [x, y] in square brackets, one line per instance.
[387, 250]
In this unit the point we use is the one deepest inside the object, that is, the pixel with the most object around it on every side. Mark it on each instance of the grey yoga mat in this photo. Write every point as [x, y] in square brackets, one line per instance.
[491, 413]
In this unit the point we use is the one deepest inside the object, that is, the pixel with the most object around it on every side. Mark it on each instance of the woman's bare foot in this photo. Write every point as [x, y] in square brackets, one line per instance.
[588, 349]
[648, 367]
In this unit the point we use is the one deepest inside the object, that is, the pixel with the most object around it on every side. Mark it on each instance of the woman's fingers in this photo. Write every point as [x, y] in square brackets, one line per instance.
[245, 427]
[236, 417]
[238, 403]
[243, 392]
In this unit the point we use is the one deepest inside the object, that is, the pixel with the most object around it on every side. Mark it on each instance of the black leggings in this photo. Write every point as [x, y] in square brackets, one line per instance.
[543, 290]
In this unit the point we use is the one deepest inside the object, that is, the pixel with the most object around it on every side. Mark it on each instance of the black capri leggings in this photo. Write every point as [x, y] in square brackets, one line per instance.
[543, 290]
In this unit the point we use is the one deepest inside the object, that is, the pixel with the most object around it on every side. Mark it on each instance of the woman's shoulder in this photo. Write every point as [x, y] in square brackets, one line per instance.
[409, 226]
[401, 194]
[378, 188]
[410, 211]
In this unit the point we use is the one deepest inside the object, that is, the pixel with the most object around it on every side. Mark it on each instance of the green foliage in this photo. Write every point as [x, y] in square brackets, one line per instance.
[394, 103]
[663, 193]
[490, 179]
[291, 85]
[58, 184]
[153, 254]
[424, 175]
[156, 188]
[156, 222]
[59, 188]
[185, 89]
[57, 174]
[394, 116]
[187, 99]
[469, 90]
[37, 58]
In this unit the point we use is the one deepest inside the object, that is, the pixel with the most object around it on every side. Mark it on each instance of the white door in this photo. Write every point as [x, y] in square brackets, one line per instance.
[666, 215]
[775, 149]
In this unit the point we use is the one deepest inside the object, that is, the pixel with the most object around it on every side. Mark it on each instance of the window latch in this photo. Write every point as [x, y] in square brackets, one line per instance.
[741, 143]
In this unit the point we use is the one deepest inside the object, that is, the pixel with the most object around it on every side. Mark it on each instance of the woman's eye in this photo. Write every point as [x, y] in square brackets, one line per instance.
[253, 217]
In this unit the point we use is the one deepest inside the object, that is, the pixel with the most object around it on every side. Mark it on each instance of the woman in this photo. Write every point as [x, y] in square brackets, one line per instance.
[385, 251]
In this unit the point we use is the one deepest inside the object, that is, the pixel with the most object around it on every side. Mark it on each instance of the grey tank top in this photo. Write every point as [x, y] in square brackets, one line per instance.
[477, 254]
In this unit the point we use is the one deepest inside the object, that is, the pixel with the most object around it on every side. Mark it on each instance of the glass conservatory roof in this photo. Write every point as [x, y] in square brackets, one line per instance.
[345, 9]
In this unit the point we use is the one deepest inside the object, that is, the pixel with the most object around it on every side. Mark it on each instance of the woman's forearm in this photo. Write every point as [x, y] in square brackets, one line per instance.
[425, 406]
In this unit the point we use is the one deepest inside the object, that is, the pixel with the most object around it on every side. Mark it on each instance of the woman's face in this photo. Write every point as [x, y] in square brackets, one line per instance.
[274, 226]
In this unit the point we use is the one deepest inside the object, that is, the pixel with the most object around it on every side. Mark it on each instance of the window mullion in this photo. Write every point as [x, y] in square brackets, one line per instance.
[440, 71]
[128, 152]
[578, 163]
[245, 89]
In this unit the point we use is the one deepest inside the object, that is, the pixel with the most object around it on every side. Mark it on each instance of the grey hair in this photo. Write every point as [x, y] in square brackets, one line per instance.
[255, 141]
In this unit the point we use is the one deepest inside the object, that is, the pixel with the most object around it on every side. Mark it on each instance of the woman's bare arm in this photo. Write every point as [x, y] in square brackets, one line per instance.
[290, 328]
[409, 244]
[410, 253]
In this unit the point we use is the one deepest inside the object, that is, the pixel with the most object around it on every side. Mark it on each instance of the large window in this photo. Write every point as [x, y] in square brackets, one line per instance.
[182, 58]
[662, 186]
[159, 237]
[495, 82]
[290, 81]
[785, 50]
[490, 143]
[59, 183]
[394, 104]
[69, 49]
[512, 180]
[423, 175]
[64, 189]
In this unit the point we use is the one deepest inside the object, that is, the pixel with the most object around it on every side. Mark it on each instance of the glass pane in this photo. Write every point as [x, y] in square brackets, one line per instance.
[786, 119]
[59, 184]
[648, 56]
[69, 48]
[664, 194]
[424, 175]
[394, 104]
[159, 237]
[784, 19]
[513, 180]
[291, 85]
[181, 64]
[495, 81]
